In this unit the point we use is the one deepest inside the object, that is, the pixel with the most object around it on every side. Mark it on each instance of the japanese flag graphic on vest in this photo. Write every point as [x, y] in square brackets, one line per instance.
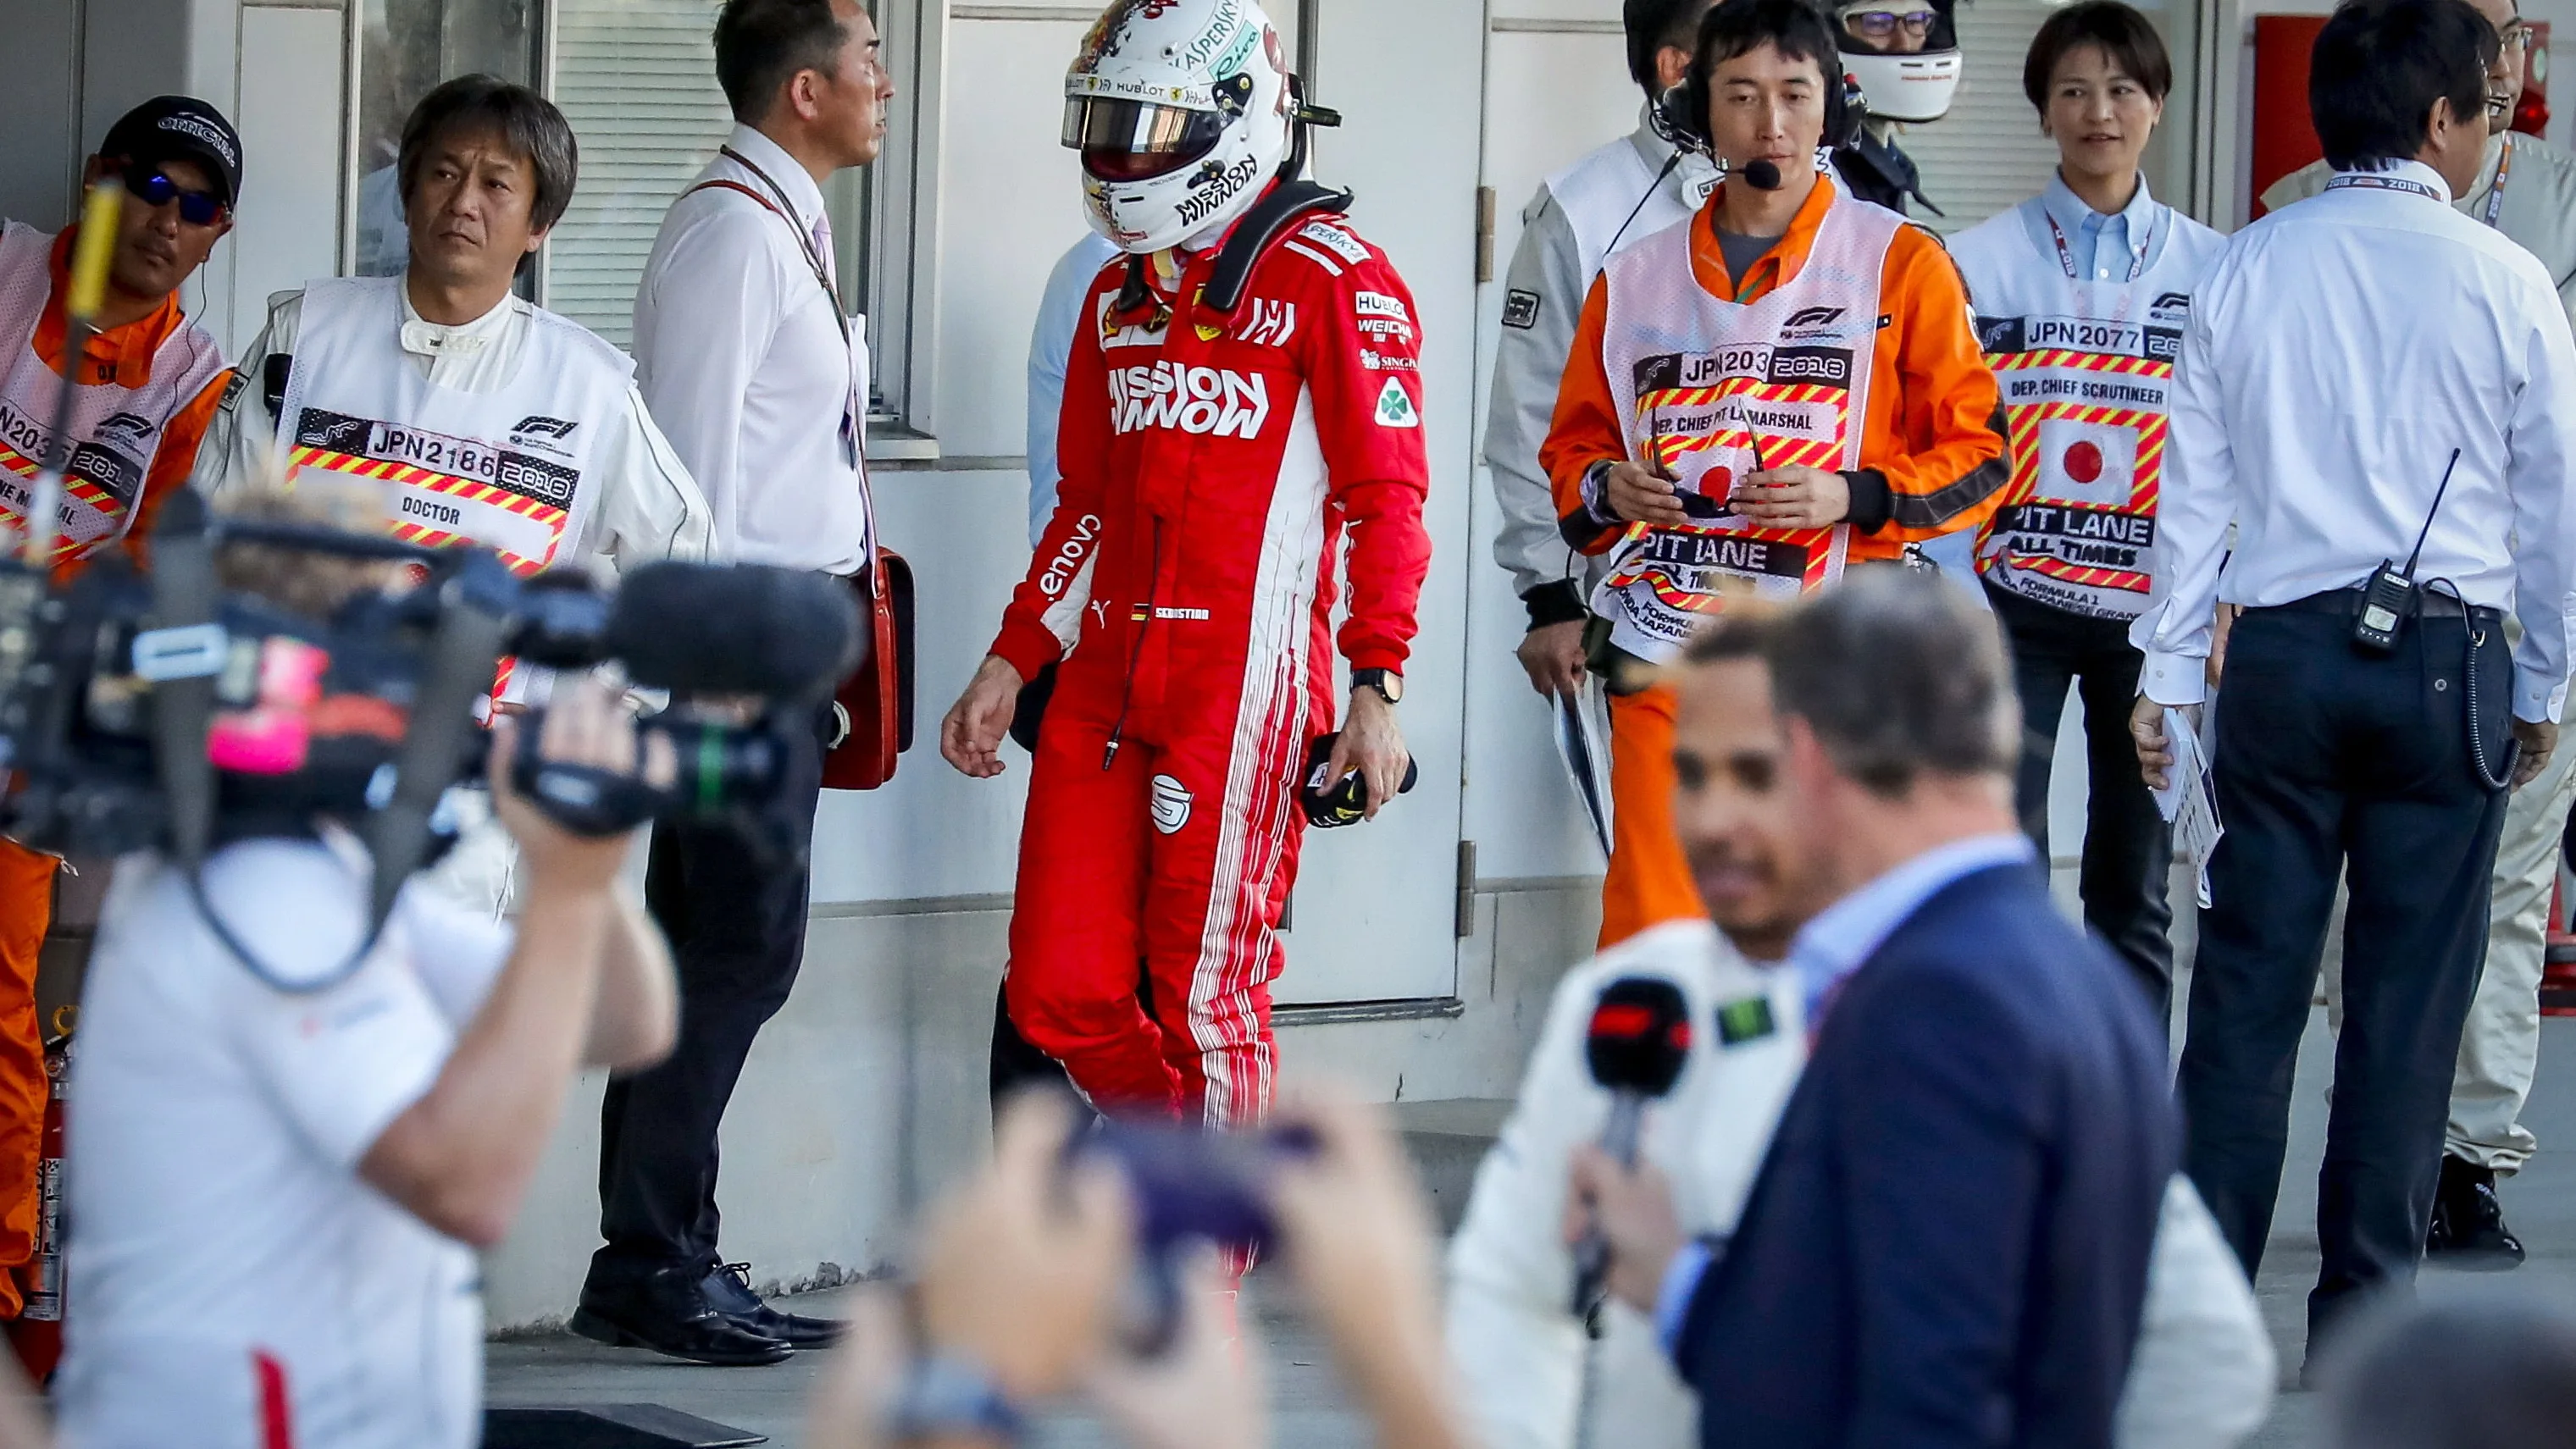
[503, 469]
[1714, 391]
[2085, 369]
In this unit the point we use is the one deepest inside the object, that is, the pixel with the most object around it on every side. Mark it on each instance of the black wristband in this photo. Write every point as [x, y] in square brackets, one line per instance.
[1872, 502]
[1557, 602]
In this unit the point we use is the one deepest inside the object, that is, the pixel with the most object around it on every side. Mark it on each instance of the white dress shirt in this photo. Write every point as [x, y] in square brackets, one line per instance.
[648, 508]
[2337, 353]
[1050, 347]
[750, 367]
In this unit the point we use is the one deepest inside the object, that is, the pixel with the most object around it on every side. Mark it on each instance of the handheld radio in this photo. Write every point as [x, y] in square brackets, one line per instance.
[2389, 596]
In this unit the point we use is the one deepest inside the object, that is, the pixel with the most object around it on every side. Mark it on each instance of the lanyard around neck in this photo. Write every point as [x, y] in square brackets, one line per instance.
[2370, 181]
[853, 409]
[2066, 258]
[2495, 191]
[787, 213]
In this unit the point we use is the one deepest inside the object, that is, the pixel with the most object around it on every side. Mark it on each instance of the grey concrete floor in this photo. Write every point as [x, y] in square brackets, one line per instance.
[1307, 1402]
[1312, 1414]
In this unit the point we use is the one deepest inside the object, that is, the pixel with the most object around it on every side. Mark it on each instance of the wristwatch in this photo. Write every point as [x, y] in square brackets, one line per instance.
[1388, 684]
[948, 1397]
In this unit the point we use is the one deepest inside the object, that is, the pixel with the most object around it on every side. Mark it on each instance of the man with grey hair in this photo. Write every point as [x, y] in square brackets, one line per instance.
[481, 417]
[1967, 1177]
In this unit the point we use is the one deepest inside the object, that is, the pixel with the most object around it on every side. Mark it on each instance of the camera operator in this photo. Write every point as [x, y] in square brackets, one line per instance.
[286, 1151]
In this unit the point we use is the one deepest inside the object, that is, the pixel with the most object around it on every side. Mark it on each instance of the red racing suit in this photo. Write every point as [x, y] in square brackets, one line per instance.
[1213, 467]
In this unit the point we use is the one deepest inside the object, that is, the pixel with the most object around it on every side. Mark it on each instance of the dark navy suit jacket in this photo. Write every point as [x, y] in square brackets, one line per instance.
[1948, 1241]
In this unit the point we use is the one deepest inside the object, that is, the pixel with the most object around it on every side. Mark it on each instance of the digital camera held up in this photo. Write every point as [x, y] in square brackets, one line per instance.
[167, 712]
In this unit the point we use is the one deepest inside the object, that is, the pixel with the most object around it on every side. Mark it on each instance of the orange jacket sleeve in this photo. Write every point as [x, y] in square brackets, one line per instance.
[1935, 439]
[174, 461]
[1585, 429]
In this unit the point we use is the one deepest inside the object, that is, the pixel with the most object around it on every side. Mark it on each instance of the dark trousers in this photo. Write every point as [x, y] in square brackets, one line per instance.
[2329, 761]
[736, 924]
[2128, 848]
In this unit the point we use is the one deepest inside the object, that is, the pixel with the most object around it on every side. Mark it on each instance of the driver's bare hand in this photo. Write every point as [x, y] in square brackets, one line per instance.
[1793, 496]
[1643, 495]
[586, 723]
[971, 736]
[1552, 654]
[1371, 743]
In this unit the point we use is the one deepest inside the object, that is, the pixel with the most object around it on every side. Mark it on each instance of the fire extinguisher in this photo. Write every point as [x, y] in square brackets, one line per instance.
[37, 1335]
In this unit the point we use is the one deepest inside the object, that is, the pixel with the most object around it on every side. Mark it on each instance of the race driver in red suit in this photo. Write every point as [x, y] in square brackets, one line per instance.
[1225, 431]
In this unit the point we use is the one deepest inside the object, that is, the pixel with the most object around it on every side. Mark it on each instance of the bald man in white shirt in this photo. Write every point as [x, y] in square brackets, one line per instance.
[2371, 384]
[747, 354]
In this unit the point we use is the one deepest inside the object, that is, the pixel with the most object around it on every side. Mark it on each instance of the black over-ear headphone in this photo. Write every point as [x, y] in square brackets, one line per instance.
[1681, 113]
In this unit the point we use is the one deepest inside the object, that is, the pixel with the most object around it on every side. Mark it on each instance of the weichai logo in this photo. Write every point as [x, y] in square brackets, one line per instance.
[1201, 400]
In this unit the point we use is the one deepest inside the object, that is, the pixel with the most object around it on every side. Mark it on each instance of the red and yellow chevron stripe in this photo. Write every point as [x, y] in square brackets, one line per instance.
[1775, 451]
[2023, 423]
[75, 486]
[472, 491]
[2081, 362]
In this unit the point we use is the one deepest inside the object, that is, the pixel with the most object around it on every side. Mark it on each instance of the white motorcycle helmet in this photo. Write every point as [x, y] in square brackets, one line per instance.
[1898, 84]
[1183, 113]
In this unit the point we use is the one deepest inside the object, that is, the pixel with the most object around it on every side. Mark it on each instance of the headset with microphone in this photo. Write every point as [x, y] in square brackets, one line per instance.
[1681, 117]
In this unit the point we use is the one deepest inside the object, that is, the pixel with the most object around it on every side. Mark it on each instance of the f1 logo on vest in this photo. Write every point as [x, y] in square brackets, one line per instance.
[1196, 400]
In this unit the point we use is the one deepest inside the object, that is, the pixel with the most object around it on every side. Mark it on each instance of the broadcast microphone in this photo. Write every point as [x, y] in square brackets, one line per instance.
[734, 629]
[1637, 1045]
[1762, 175]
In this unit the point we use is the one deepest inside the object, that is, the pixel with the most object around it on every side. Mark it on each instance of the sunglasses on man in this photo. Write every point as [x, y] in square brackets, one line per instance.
[196, 208]
[1880, 24]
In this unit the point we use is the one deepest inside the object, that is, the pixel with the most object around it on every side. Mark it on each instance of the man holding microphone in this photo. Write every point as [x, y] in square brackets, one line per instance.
[1786, 383]
[2379, 395]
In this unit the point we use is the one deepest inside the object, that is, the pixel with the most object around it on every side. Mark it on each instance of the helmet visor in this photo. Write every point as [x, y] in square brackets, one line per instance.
[1122, 140]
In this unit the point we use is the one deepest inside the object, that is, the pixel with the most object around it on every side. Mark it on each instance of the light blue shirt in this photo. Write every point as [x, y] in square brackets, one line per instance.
[1059, 314]
[1825, 952]
[2103, 248]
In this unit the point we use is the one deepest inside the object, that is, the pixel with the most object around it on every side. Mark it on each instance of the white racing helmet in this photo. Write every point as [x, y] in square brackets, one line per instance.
[1182, 112]
[1898, 84]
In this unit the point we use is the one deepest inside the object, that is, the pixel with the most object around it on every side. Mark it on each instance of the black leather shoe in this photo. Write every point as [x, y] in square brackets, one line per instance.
[728, 1288]
[2468, 1230]
[669, 1314]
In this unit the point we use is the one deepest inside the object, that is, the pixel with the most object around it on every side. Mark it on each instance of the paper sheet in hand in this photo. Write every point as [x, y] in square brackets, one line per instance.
[2189, 800]
[1579, 741]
